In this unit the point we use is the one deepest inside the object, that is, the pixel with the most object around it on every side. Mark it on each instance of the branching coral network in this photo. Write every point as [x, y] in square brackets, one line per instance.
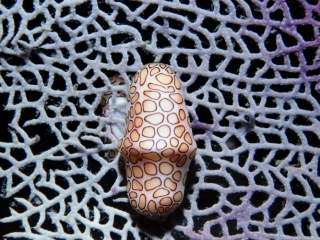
[250, 77]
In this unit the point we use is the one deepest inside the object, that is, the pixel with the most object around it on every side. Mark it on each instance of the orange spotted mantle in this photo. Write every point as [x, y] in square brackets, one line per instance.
[158, 144]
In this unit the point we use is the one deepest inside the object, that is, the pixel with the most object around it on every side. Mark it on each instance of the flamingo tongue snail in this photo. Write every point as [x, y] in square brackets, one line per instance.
[158, 144]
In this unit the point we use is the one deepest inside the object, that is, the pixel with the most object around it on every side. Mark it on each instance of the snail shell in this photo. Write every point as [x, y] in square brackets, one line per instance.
[158, 144]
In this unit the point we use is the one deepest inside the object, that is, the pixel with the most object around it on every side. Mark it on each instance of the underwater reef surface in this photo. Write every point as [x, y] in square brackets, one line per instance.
[250, 74]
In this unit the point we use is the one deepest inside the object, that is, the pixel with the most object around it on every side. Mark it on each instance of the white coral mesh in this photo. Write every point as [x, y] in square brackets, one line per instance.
[250, 72]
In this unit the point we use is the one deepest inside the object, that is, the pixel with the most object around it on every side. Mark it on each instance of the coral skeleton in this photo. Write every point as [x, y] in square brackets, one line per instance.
[249, 72]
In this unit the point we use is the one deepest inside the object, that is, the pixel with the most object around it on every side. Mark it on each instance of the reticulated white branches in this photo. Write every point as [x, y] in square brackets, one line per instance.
[250, 71]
